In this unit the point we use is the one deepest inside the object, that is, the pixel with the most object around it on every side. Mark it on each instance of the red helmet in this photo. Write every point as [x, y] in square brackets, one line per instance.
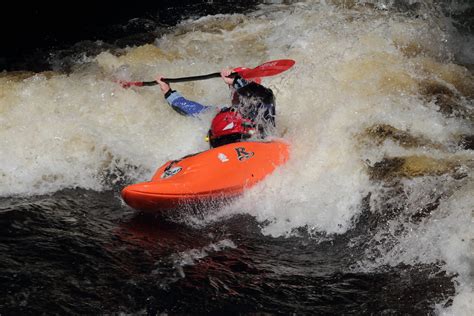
[230, 122]
[229, 126]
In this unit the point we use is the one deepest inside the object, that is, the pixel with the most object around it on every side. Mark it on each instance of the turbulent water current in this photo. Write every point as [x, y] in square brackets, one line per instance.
[372, 214]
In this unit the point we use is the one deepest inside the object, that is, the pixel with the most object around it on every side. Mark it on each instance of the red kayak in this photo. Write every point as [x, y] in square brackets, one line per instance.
[218, 173]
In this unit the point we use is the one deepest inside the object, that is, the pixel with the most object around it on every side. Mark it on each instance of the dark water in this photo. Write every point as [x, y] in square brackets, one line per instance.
[48, 35]
[83, 252]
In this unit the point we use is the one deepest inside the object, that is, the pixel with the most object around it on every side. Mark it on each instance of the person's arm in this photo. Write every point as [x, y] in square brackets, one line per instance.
[179, 103]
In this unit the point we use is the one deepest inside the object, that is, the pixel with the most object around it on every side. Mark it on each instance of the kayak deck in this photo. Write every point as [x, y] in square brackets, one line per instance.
[217, 173]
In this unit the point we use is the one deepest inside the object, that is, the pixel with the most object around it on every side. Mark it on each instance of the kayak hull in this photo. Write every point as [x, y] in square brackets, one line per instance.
[216, 174]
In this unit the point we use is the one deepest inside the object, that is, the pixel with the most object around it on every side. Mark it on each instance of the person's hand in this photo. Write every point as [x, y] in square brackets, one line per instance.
[225, 73]
[165, 87]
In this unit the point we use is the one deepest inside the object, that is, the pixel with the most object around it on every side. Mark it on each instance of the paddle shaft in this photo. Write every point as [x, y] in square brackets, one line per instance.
[186, 79]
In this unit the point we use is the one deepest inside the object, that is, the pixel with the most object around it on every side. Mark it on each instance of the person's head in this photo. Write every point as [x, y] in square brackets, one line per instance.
[229, 126]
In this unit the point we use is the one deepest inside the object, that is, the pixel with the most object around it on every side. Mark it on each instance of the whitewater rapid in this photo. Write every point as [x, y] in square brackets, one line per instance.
[376, 110]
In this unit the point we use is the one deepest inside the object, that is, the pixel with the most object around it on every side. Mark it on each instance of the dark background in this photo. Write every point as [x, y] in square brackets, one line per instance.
[31, 31]
[31, 34]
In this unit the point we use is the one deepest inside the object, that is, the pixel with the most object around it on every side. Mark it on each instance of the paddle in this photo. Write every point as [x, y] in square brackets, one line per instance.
[267, 69]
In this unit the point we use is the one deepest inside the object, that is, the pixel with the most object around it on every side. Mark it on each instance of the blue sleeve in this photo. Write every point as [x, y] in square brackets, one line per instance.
[184, 106]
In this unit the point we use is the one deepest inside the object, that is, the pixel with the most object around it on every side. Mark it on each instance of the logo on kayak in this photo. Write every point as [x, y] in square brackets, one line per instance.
[222, 157]
[169, 172]
[242, 154]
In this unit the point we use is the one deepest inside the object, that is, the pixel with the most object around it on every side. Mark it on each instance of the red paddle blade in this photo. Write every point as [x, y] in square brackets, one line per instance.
[128, 84]
[267, 69]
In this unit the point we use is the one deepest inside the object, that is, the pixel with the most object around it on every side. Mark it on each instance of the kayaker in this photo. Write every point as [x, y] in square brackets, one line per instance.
[252, 113]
